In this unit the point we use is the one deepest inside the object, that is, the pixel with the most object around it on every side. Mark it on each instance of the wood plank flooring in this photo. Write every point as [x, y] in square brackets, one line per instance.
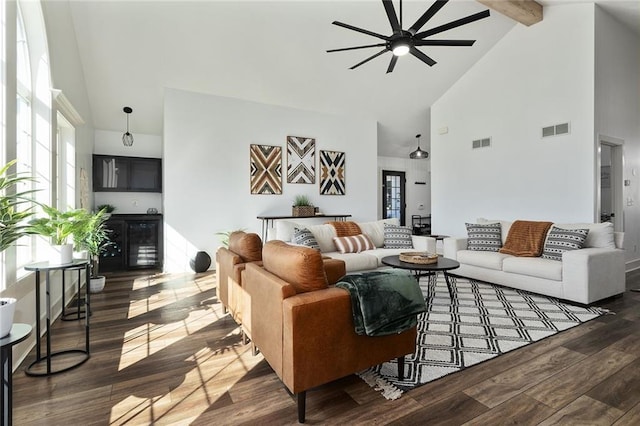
[164, 353]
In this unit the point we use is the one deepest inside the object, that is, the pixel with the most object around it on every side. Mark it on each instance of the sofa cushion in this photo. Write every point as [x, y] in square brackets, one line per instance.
[396, 236]
[363, 261]
[304, 237]
[324, 236]
[483, 259]
[345, 228]
[302, 267]
[484, 237]
[353, 244]
[560, 240]
[247, 246]
[533, 267]
[375, 229]
[600, 234]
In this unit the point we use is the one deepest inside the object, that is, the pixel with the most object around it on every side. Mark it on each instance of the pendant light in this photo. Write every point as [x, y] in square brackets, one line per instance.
[127, 138]
[418, 153]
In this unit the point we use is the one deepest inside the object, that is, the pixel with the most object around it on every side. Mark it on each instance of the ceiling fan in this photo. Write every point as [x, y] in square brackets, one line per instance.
[402, 41]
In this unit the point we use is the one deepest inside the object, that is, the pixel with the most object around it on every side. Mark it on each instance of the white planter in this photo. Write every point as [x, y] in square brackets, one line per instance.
[96, 284]
[61, 255]
[7, 309]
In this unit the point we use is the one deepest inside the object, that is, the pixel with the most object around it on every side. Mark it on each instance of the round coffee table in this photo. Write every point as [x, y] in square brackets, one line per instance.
[442, 265]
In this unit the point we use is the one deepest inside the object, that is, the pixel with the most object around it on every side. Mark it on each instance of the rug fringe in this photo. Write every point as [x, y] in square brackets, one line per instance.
[386, 388]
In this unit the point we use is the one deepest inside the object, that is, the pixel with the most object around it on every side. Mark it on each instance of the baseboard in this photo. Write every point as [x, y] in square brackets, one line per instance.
[632, 265]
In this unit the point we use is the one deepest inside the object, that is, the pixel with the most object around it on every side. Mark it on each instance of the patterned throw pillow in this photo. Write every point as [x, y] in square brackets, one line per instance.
[353, 244]
[397, 237]
[560, 240]
[484, 237]
[304, 237]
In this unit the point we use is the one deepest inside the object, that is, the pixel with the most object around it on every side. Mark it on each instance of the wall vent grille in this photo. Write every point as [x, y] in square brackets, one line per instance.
[481, 143]
[555, 130]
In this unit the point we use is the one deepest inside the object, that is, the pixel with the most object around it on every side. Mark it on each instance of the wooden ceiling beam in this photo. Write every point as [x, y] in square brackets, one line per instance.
[527, 12]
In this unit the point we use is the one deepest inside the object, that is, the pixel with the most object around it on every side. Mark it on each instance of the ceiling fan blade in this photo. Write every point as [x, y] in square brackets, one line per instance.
[360, 30]
[391, 14]
[424, 58]
[392, 64]
[356, 47]
[427, 15]
[444, 42]
[368, 59]
[454, 24]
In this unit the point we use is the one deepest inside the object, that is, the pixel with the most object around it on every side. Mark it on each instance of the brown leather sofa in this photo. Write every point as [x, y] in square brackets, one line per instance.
[304, 327]
[230, 262]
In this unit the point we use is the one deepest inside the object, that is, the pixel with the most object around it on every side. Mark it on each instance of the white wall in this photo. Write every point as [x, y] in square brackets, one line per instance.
[416, 194]
[110, 143]
[206, 167]
[534, 77]
[617, 111]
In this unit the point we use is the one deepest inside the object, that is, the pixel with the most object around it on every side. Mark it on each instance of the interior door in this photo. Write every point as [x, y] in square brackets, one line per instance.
[393, 195]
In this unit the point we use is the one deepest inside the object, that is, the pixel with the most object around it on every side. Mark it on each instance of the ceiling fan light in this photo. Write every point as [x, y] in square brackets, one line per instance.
[400, 49]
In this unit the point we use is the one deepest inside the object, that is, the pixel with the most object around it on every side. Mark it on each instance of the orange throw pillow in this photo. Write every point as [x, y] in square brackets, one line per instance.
[346, 228]
[353, 244]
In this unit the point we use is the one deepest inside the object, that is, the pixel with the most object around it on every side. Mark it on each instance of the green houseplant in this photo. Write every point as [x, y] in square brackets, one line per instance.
[16, 207]
[60, 227]
[93, 235]
[302, 206]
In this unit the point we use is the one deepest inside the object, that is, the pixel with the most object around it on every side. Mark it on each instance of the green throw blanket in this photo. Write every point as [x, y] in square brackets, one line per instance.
[383, 302]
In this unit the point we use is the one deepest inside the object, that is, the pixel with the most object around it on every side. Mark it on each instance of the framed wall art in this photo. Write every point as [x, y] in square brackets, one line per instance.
[266, 169]
[301, 160]
[332, 173]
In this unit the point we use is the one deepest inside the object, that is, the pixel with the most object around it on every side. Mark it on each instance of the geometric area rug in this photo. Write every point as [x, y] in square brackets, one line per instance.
[483, 322]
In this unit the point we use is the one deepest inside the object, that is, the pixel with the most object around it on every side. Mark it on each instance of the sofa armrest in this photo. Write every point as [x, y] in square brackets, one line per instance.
[335, 269]
[592, 274]
[424, 243]
[451, 247]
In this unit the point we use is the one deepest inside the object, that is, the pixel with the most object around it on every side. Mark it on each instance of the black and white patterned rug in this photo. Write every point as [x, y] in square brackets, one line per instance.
[485, 321]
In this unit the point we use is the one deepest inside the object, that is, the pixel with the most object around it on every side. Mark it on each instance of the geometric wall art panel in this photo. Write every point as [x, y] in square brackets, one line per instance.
[301, 160]
[266, 169]
[332, 171]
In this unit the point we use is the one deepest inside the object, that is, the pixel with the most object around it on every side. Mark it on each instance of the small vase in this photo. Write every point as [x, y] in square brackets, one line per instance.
[7, 309]
[201, 262]
[62, 254]
[97, 284]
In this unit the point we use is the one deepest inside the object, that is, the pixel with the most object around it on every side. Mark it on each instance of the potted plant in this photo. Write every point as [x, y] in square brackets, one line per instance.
[302, 207]
[93, 236]
[60, 227]
[108, 209]
[15, 208]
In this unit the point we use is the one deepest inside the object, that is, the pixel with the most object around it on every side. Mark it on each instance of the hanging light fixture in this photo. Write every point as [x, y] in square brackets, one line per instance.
[127, 138]
[418, 153]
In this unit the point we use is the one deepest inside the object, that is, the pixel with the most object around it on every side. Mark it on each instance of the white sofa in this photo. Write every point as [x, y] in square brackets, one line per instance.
[592, 273]
[365, 260]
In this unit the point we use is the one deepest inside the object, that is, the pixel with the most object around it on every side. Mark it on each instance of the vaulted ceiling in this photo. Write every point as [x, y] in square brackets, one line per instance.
[272, 52]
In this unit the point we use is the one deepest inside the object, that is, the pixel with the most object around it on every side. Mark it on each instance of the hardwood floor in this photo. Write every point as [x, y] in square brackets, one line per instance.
[164, 353]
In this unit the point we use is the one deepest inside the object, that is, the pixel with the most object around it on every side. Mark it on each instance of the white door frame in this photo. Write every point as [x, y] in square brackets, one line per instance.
[617, 184]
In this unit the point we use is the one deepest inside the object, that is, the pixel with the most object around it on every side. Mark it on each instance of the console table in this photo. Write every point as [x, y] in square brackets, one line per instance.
[46, 267]
[266, 220]
[18, 333]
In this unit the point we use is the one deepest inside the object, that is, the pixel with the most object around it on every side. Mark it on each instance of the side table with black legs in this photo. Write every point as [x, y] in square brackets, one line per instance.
[47, 268]
[18, 333]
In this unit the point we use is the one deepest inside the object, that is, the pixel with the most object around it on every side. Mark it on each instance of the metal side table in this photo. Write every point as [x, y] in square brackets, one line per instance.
[18, 333]
[46, 267]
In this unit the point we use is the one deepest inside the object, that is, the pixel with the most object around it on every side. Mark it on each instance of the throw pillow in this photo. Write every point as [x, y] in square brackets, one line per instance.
[484, 237]
[345, 228]
[304, 237]
[353, 244]
[397, 237]
[560, 240]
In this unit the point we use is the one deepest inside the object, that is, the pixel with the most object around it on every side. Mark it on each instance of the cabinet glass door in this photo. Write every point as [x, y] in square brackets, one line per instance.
[142, 243]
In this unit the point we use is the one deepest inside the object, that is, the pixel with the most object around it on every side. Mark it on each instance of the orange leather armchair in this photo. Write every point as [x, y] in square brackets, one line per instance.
[230, 262]
[304, 328]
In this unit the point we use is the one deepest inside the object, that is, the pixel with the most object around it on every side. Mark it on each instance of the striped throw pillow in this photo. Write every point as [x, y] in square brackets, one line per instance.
[397, 237]
[304, 237]
[560, 240]
[353, 244]
[484, 237]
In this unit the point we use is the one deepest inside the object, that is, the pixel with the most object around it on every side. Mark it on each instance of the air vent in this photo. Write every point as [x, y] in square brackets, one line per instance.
[556, 129]
[481, 143]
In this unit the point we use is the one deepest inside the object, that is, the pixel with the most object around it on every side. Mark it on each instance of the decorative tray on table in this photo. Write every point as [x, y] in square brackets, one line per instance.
[420, 257]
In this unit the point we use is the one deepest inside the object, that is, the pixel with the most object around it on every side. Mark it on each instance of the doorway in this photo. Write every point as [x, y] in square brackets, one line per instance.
[393, 195]
[609, 200]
